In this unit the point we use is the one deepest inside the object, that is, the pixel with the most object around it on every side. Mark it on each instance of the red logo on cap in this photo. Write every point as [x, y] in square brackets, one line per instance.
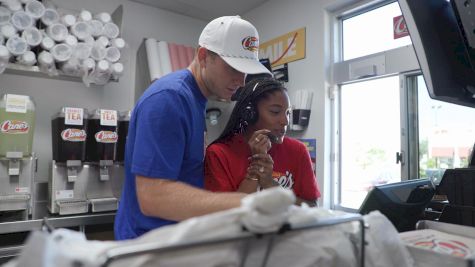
[250, 43]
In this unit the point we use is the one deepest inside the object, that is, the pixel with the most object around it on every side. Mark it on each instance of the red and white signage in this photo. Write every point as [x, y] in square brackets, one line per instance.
[73, 135]
[108, 117]
[399, 27]
[14, 127]
[73, 116]
[106, 137]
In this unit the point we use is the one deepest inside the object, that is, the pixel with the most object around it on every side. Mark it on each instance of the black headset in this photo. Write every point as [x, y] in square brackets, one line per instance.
[249, 114]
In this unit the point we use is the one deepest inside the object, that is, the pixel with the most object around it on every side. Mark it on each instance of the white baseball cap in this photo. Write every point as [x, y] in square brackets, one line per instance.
[236, 41]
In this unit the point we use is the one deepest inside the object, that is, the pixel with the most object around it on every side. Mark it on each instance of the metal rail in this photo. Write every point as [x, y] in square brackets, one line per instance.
[138, 249]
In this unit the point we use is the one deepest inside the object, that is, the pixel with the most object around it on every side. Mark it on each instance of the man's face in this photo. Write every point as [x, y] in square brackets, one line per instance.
[221, 80]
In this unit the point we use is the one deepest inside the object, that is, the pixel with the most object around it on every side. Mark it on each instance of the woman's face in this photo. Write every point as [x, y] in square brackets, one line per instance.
[274, 114]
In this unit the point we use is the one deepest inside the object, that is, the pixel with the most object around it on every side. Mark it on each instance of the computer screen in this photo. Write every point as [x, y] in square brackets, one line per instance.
[443, 37]
[403, 203]
[471, 158]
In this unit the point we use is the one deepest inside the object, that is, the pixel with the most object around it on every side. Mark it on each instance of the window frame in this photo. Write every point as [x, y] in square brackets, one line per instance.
[406, 69]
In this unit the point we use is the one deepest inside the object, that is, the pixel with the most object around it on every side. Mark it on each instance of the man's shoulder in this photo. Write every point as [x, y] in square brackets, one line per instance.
[174, 82]
[169, 88]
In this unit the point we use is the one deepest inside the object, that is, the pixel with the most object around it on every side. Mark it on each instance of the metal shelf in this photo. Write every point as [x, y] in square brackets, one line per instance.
[34, 71]
[57, 222]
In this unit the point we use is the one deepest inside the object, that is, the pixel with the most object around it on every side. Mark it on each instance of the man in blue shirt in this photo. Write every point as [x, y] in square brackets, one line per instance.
[165, 142]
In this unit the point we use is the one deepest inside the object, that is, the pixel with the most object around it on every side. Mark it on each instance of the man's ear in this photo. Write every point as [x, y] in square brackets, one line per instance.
[202, 56]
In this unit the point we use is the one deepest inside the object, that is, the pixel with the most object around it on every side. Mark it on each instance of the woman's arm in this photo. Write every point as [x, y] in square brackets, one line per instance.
[258, 174]
[311, 203]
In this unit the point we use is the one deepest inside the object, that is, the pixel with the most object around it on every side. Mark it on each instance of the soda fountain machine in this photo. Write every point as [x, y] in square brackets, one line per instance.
[101, 154]
[68, 182]
[17, 161]
[87, 167]
[118, 171]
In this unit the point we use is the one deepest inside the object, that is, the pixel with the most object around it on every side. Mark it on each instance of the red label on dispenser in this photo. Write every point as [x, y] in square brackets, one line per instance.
[73, 135]
[106, 137]
[14, 127]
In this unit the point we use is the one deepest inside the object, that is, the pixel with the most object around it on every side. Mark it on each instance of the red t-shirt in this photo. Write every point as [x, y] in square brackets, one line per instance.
[226, 166]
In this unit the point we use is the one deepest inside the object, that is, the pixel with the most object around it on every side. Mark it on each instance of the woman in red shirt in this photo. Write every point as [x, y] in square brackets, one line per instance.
[253, 152]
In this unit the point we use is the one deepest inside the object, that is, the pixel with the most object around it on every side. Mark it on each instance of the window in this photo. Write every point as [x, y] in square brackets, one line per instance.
[389, 114]
[370, 106]
[370, 137]
[371, 32]
[446, 134]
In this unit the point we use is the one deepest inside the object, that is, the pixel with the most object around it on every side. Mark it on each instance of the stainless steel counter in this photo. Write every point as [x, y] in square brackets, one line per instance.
[11, 244]
[57, 222]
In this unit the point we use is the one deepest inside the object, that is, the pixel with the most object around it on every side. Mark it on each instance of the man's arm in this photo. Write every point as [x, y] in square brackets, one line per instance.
[177, 201]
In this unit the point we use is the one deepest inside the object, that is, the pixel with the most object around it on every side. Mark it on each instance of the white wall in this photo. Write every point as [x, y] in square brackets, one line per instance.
[277, 17]
[272, 19]
[139, 21]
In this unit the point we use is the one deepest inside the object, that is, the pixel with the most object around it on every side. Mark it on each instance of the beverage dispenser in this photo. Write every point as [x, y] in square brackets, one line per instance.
[117, 172]
[69, 128]
[17, 124]
[101, 153]
[17, 161]
[124, 119]
[102, 144]
[68, 181]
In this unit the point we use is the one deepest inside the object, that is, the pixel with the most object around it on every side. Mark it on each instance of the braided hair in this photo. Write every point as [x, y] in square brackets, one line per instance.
[249, 96]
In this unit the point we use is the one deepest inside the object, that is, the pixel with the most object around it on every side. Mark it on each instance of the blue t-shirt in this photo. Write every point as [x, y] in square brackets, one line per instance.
[165, 140]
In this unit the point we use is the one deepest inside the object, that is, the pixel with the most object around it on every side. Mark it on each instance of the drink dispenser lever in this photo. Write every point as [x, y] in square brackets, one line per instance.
[14, 162]
[104, 169]
[73, 166]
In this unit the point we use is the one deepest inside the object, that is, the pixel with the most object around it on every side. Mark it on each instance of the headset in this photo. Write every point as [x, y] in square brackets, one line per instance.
[250, 115]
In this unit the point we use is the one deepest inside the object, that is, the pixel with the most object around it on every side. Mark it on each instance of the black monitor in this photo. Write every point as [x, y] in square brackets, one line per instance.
[443, 37]
[471, 158]
[266, 63]
[403, 203]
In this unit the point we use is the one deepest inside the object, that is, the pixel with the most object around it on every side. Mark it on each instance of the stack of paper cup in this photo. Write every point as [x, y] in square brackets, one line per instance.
[35, 9]
[50, 17]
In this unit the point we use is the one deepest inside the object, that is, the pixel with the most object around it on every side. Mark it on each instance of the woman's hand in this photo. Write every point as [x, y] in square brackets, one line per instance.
[259, 142]
[261, 167]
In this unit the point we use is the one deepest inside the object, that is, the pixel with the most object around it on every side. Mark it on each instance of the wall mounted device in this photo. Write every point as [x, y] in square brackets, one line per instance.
[212, 114]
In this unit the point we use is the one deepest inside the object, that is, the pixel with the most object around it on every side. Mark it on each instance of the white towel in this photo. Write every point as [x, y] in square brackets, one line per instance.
[262, 212]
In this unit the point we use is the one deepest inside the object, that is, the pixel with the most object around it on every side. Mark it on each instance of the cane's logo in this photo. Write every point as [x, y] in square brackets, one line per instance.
[106, 137]
[14, 127]
[250, 43]
[400, 27]
[73, 135]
